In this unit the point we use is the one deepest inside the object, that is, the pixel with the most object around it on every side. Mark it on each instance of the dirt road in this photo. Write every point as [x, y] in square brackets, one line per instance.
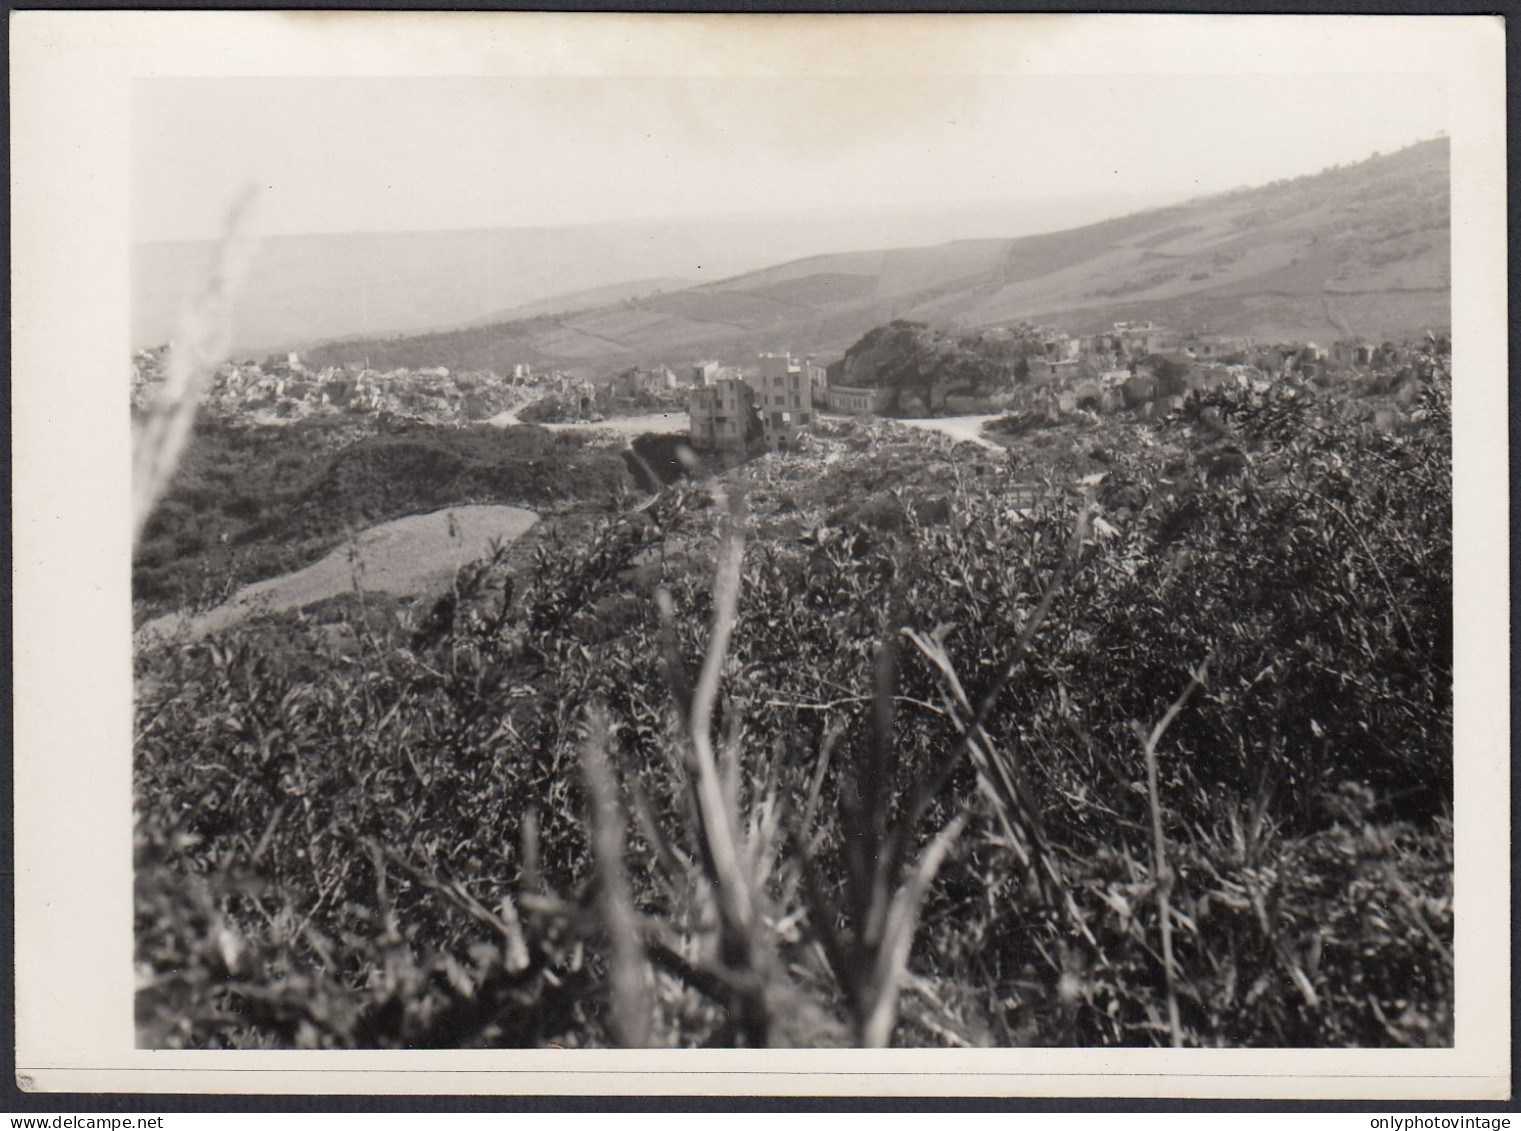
[626, 426]
[958, 428]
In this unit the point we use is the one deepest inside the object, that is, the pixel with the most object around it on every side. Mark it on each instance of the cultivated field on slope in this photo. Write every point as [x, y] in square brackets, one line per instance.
[304, 289]
[1360, 250]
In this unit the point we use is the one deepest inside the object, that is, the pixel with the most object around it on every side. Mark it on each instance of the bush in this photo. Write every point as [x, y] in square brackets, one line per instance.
[303, 488]
[1217, 726]
[662, 455]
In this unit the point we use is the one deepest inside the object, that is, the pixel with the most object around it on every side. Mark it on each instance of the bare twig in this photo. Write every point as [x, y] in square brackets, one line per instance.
[505, 925]
[849, 701]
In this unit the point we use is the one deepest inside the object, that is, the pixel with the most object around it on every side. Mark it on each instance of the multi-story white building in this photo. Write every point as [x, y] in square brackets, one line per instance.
[779, 390]
[719, 415]
[785, 395]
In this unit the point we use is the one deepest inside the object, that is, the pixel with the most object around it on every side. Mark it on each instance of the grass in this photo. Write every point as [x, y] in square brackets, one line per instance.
[248, 502]
[750, 763]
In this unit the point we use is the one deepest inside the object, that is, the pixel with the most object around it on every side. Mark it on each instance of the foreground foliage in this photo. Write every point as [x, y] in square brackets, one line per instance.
[893, 741]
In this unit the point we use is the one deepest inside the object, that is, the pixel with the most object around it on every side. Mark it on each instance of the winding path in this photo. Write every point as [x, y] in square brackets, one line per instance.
[626, 426]
[962, 429]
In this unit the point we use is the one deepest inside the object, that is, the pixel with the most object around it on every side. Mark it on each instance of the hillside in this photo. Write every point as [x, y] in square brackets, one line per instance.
[1359, 250]
[308, 288]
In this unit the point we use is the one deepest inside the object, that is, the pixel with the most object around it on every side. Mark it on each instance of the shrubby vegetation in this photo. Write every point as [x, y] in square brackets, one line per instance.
[884, 741]
[552, 409]
[923, 365]
[251, 502]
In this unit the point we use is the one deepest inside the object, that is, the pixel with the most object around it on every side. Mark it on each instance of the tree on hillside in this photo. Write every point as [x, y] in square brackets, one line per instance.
[914, 361]
[898, 356]
[1166, 368]
[1171, 374]
[909, 371]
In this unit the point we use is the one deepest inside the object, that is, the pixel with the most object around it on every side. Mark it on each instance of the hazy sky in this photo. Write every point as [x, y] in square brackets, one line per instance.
[365, 154]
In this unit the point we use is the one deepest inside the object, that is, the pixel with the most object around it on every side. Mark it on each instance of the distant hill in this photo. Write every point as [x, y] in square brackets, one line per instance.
[1358, 250]
[589, 299]
[309, 288]
[303, 289]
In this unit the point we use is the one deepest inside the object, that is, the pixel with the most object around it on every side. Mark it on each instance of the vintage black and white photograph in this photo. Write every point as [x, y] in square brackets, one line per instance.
[942, 560]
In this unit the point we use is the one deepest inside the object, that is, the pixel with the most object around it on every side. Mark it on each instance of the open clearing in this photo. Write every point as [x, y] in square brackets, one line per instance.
[406, 556]
[966, 429]
[665, 423]
[958, 428]
[631, 426]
